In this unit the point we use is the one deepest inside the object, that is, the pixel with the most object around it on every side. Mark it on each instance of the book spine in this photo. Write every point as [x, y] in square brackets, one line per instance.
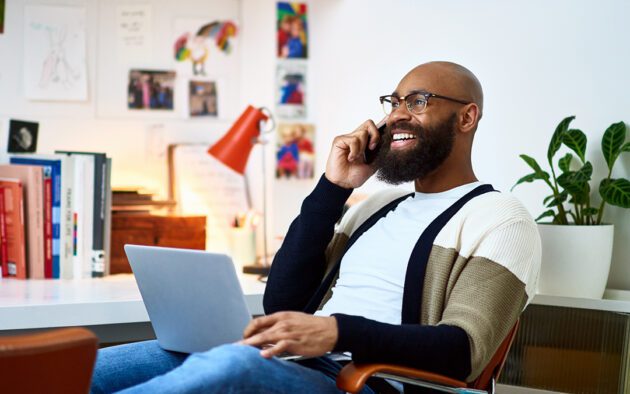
[34, 216]
[108, 217]
[20, 235]
[56, 218]
[4, 254]
[98, 224]
[66, 219]
[48, 229]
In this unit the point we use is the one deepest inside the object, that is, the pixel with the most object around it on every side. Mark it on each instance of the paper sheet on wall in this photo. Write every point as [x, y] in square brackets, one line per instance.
[133, 25]
[205, 186]
[55, 53]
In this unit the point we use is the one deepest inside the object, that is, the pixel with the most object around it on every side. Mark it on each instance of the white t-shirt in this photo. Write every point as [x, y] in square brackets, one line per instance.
[372, 273]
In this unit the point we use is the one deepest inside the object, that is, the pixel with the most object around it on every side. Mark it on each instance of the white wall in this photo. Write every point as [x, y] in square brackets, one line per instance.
[136, 140]
[538, 62]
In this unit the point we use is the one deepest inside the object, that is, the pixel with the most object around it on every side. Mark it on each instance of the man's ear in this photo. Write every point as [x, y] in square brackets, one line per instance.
[469, 118]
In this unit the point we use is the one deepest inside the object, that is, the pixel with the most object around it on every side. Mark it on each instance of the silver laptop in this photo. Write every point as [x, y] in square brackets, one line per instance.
[193, 298]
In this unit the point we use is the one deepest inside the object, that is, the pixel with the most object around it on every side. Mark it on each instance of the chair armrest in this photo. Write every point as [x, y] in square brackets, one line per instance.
[47, 342]
[353, 376]
[53, 362]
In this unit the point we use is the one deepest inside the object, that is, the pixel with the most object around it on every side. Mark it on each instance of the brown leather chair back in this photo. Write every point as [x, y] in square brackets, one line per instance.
[58, 361]
[494, 367]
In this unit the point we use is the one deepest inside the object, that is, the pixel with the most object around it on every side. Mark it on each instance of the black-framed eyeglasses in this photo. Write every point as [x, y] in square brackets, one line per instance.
[416, 101]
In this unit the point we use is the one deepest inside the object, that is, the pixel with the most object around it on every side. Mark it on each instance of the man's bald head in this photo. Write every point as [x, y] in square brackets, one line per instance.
[449, 79]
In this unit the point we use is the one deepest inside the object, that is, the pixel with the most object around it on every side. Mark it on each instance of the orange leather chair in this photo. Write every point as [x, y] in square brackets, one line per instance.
[58, 361]
[353, 376]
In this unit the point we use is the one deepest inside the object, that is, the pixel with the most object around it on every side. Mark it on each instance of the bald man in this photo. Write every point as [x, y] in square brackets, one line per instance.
[433, 279]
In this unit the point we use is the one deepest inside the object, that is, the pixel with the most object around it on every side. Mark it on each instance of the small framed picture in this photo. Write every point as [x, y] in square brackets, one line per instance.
[202, 98]
[151, 90]
[292, 29]
[291, 90]
[295, 154]
[22, 136]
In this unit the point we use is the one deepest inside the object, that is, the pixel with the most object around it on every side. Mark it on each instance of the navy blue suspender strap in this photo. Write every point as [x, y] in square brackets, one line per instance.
[414, 278]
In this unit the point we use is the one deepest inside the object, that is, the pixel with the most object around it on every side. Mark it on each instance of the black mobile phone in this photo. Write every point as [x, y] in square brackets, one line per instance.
[370, 154]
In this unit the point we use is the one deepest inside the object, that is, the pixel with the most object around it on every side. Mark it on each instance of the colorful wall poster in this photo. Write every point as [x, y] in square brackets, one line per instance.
[55, 53]
[151, 89]
[292, 28]
[291, 90]
[195, 42]
[295, 154]
[202, 98]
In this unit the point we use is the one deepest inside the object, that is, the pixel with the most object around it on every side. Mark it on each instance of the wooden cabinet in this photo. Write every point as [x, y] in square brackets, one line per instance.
[187, 232]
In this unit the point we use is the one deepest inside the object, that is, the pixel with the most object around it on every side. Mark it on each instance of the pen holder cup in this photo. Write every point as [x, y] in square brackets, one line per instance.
[243, 247]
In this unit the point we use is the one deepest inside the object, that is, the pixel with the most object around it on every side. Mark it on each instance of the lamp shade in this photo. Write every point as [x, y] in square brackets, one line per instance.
[234, 147]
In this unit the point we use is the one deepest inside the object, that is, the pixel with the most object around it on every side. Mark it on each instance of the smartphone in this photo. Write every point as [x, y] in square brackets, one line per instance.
[370, 154]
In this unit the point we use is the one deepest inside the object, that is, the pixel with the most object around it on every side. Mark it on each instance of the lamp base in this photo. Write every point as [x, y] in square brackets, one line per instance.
[256, 269]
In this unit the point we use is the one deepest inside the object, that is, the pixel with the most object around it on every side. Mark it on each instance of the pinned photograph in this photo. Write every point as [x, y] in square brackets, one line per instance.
[202, 98]
[291, 25]
[295, 155]
[22, 136]
[150, 89]
[291, 90]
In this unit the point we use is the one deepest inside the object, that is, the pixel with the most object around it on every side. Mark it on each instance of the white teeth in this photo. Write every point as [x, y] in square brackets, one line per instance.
[403, 136]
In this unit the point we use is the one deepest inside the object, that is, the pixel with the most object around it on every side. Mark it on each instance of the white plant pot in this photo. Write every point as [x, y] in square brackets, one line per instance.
[575, 260]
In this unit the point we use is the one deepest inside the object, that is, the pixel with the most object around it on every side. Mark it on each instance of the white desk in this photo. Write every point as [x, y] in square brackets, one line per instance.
[111, 307]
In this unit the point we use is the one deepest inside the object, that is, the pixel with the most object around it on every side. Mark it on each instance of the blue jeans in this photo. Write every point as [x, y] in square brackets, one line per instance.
[144, 367]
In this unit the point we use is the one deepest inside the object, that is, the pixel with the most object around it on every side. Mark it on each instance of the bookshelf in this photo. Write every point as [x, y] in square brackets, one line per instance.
[175, 231]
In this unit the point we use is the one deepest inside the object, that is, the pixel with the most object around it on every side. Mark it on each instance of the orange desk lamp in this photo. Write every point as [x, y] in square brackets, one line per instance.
[233, 150]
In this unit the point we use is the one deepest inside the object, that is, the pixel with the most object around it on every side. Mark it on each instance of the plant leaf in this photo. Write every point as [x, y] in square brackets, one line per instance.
[546, 214]
[616, 192]
[562, 197]
[575, 140]
[534, 165]
[556, 138]
[612, 142]
[527, 178]
[576, 182]
[565, 163]
[626, 147]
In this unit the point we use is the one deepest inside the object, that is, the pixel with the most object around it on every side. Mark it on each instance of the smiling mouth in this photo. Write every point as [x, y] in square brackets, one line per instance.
[403, 137]
[402, 140]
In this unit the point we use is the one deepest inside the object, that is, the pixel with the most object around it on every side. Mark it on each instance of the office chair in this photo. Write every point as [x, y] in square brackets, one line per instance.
[58, 361]
[353, 376]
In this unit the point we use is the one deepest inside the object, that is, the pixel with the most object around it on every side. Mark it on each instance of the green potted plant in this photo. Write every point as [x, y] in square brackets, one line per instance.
[576, 243]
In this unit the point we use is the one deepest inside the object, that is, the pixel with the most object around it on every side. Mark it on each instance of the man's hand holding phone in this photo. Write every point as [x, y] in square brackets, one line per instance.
[346, 166]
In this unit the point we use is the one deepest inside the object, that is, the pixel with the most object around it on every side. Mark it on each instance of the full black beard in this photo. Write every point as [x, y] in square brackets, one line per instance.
[433, 146]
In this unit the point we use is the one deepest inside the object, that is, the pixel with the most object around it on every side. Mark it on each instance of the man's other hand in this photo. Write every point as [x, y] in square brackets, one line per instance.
[346, 165]
[294, 332]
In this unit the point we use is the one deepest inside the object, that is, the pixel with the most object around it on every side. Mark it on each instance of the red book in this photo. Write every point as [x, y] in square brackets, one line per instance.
[13, 202]
[48, 260]
[4, 257]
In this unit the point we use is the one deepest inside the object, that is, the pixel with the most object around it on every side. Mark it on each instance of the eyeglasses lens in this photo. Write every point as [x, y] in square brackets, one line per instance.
[416, 103]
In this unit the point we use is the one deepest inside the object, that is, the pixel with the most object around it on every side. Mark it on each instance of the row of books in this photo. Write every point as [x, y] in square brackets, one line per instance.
[55, 215]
